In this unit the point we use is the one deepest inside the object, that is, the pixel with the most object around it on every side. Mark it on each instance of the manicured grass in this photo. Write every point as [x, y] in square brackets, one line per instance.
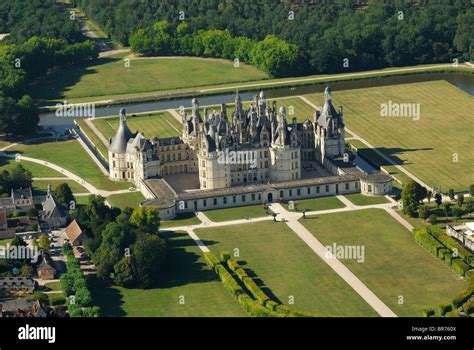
[99, 145]
[124, 200]
[37, 170]
[4, 242]
[109, 76]
[82, 200]
[359, 199]
[184, 219]
[185, 274]
[53, 286]
[252, 211]
[425, 147]
[287, 267]
[394, 265]
[161, 125]
[378, 162]
[313, 204]
[71, 156]
[41, 186]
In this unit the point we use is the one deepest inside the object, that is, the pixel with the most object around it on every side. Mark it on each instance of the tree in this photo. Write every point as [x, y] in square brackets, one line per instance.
[148, 255]
[44, 242]
[438, 199]
[460, 199]
[423, 212]
[433, 219]
[447, 208]
[27, 271]
[429, 195]
[469, 205]
[411, 194]
[63, 193]
[457, 212]
[451, 194]
[146, 219]
[123, 272]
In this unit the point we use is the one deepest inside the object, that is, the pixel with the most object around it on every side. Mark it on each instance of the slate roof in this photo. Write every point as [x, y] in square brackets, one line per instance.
[52, 209]
[73, 231]
[118, 143]
[22, 193]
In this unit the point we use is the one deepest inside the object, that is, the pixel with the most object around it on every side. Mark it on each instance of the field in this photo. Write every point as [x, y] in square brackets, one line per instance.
[184, 219]
[313, 204]
[109, 76]
[251, 211]
[41, 186]
[161, 125]
[71, 156]
[427, 147]
[395, 265]
[360, 199]
[287, 267]
[186, 275]
[99, 145]
[37, 170]
[124, 200]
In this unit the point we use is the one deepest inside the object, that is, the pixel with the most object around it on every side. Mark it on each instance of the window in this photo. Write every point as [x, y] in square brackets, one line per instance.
[317, 189]
[215, 201]
[224, 200]
[204, 203]
[243, 198]
[291, 193]
[253, 196]
[356, 185]
[327, 188]
[298, 192]
[308, 190]
[234, 199]
[281, 194]
[370, 188]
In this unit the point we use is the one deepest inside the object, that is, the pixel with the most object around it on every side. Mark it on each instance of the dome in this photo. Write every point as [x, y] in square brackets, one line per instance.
[119, 142]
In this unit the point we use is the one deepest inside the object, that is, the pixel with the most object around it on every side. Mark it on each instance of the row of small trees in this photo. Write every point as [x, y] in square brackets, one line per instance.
[272, 55]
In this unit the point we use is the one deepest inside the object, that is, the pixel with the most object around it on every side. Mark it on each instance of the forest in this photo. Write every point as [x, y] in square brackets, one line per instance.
[327, 34]
[41, 37]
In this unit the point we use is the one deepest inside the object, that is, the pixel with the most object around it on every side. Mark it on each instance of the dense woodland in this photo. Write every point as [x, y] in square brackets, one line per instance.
[41, 37]
[325, 32]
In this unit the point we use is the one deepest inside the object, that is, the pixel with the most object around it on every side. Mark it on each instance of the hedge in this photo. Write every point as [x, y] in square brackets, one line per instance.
[254, 308]
[256, 291]
[443, 252]
[225, 255]
[467, 293]
[427, 241]
[428, 312]
[229, 282]
[444, 308]
[452, 244]
[460, 267]
[291, 312]
[233, 264]
[469, 307]
[448, 259]
[211, 260]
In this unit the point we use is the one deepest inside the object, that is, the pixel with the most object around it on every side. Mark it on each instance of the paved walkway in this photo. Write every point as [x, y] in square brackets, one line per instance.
[338, 267]
[387, 159]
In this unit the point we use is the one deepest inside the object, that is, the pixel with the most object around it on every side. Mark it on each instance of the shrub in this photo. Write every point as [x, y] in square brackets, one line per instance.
[229, 282]
[428, 312]
[210, 259]
[460, 267]
[291, 312]
[448, 259]
[225, 255]
[443, 252]
[454, 245]
[256, 291]
[57, 300]
[233, 264]
[271, 305]
[469, 307]
[467, 293]
[254, 308]
[240, 272]
[427, 241]
[444, 308]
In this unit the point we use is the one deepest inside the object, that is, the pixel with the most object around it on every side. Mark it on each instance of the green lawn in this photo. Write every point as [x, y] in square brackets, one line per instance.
[71, 156]
[109, 77]
[41, 186]
[161, 125]
[425, 147]
[378, 162]
[4, 242]
[359, 199]
[394, 265]
[124, 200]
[287, 267]
[184, 219]
[53, 286]
[37, 170]
[313, 204]
[252, 211]
[186, 275]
